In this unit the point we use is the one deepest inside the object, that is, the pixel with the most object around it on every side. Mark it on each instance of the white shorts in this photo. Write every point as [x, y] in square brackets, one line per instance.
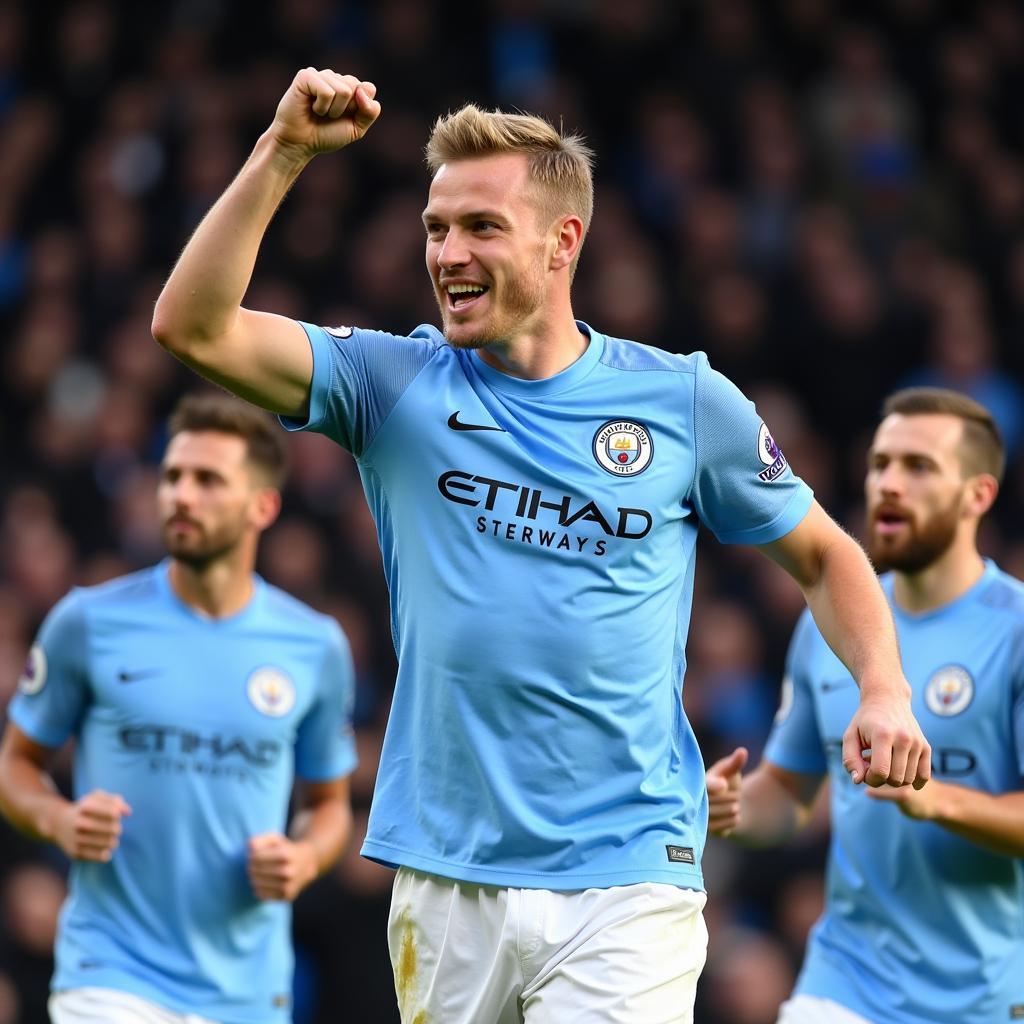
[815, 1010]
[480, 954]
[111, 1006]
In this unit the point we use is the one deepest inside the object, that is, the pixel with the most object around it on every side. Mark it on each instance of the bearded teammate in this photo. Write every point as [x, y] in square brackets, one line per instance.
[195, 692]
[923, 921]
[536, 488]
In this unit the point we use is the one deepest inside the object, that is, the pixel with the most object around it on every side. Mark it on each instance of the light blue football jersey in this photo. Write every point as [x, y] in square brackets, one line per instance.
[538, 540]
[201, 725]
[921, 926]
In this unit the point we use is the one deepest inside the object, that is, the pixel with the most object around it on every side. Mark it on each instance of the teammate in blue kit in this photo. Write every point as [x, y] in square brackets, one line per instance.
[923, 921]
[536, 488]
[195, 692]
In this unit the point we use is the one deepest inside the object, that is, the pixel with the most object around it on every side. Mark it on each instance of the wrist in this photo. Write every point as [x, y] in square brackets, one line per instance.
[884, 686]
[286, 158]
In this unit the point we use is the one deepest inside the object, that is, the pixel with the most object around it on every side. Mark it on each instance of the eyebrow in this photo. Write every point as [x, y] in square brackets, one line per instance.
[429, 215]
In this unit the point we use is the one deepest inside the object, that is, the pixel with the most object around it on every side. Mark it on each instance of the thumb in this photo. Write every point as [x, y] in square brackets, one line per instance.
[367, 107]
[726, 767]
[853, 755]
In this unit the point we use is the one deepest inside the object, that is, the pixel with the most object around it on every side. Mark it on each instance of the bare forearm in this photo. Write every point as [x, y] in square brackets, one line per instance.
[29, 799]
[326, 827]
[769, 813]
[995, 822]
[203, 295]
[851, 612]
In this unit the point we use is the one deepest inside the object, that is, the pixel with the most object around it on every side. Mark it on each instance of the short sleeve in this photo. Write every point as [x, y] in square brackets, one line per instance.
[325, 745]
[54, 690]
[795, 742]
[1018, 706]
[743, 487]
[358, 377]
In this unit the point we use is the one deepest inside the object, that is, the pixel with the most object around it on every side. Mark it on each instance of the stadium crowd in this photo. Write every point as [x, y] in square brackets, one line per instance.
[828, 198]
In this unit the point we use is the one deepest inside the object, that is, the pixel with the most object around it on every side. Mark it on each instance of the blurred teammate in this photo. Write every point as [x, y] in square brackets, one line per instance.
[195, 693]
[923, 921]
[536, 488]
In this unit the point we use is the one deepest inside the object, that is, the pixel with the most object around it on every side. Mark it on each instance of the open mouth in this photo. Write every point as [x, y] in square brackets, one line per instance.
[462, 296]
[888, 522]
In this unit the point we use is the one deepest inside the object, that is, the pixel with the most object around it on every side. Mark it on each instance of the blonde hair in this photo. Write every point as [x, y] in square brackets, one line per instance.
[561, 165]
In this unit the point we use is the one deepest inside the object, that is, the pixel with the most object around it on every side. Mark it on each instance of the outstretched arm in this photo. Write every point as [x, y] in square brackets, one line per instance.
[853, 616]
[764, 808]
[994, 821]
[199, 317]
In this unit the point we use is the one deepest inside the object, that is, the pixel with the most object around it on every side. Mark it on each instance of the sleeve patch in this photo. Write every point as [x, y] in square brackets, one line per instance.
[33, 678]
[770, 455]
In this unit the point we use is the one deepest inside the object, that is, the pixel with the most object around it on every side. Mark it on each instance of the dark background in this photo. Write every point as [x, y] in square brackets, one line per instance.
[828, 198]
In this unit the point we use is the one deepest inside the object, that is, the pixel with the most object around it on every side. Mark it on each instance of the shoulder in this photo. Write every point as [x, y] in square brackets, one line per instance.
[620, 354]
[424, 340]
[285, 609]
[128, 590]
[1005, 597]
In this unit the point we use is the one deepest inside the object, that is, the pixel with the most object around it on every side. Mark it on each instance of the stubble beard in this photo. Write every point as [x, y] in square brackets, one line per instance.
[925, 544]
[200, 550]
[521, 298]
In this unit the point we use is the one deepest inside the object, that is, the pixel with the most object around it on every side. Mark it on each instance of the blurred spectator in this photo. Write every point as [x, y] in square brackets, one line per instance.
[829, 208]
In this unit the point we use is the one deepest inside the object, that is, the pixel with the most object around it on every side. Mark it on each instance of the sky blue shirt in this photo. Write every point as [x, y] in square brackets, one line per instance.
[921, 926]
[201, 725]
[538, 539]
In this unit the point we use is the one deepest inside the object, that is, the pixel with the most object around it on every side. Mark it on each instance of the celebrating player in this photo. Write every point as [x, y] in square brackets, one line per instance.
[536, 488]
[195, 693]
[923, 916]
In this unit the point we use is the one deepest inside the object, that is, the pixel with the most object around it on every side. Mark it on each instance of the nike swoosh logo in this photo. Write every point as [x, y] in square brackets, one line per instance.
[456, 424]
[132, 677]
[835, 684]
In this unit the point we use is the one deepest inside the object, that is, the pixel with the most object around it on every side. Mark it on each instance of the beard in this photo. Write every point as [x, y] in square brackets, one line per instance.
[197, 549]
[924, 543]
[521, 298]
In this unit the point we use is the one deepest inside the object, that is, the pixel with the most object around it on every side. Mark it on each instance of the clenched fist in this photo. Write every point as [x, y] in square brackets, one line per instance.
[280, 868]
[323, 111]
[90, 828]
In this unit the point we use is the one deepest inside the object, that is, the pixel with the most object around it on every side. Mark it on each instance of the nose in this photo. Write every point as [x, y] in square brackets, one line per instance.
[889, 479]
[453, 251]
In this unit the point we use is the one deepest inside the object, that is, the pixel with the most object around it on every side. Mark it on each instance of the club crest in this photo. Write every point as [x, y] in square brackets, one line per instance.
[623, 447]
[949, 691]
[271, 692]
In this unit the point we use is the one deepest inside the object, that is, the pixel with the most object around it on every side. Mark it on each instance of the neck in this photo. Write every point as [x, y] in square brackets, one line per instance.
[946, 579]
[540, 350]
[217, 589]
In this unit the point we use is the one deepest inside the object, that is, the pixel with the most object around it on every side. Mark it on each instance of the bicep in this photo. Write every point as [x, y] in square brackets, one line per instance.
[17, 745]
[312, 794]
[264, 358]
[801, 551]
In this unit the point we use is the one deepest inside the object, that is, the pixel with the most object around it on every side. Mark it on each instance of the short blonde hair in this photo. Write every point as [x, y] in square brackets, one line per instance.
[561, 165]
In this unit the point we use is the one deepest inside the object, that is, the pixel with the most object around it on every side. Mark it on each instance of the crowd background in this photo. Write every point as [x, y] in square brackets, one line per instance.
[828, 198]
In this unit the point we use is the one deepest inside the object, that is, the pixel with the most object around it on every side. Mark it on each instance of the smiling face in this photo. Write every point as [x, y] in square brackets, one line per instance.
[488, 249]
[209, 501]
[916, 490]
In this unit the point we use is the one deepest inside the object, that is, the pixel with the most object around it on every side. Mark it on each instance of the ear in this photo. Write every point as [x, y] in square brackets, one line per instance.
[265, 508]
[567, 234]
[980, 494]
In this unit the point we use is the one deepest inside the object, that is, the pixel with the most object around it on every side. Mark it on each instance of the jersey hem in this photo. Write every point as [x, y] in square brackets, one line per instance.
[394, 857]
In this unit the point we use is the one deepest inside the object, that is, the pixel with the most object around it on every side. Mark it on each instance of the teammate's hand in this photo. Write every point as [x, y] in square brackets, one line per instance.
[280, 868]
[723, 779]
[919, 804]
[90, 828]
[899, 753]
[323, 111]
